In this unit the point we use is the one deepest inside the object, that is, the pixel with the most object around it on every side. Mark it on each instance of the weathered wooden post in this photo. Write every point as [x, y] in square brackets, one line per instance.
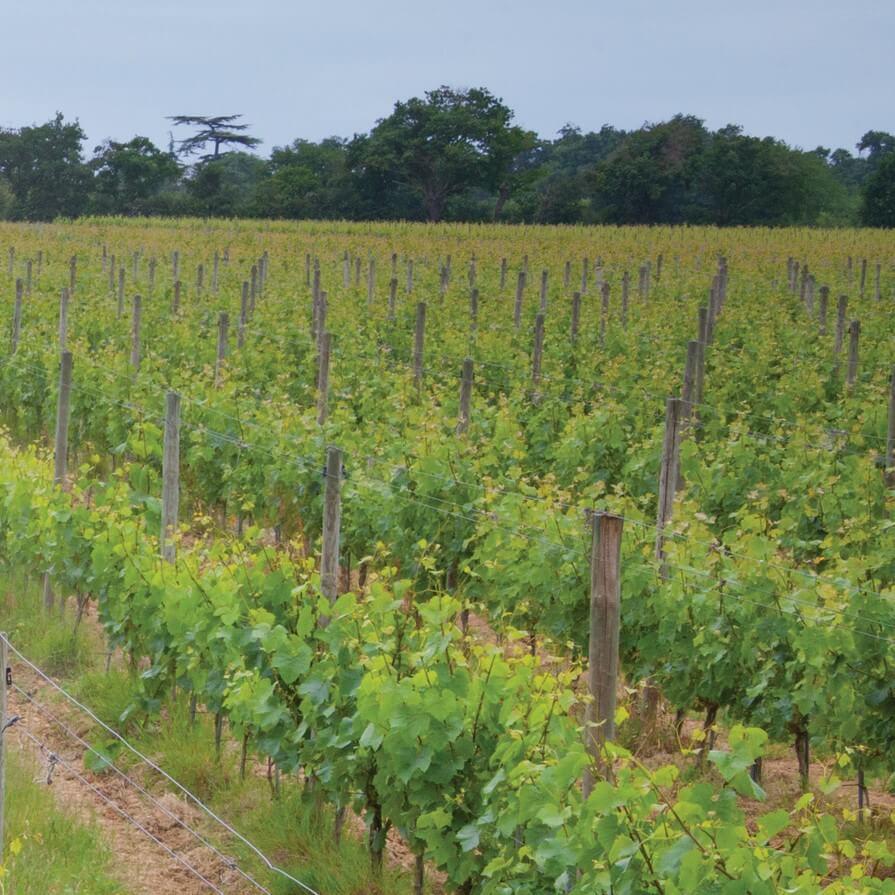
[135, 333]
[323, 378]
[854, 332]
[517, 307]
[605, 616]
[221, 356]
[332, 523]
[17, 317]
[419, 344]
[466, 384]
[170, 477]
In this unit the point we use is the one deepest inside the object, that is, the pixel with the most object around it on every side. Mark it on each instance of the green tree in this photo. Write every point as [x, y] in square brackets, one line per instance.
[443, 145]
[127, 176]
[308, 180]
[219, 130]
[227, 186]
[750, 181]
[43, 168]
[878, 208]
[650, 177]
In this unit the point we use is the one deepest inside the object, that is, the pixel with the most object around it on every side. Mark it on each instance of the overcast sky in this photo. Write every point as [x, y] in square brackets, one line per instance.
[808, 72]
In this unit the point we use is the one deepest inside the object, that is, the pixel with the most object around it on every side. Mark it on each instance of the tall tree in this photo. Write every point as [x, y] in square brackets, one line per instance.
[219, 130]
[444, 144]
[43, 168]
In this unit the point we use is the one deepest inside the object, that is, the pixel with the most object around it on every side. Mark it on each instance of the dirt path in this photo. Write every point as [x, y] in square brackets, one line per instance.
[144, 866]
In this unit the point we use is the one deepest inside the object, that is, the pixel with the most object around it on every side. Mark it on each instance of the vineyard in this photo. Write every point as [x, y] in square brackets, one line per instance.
[407, 509]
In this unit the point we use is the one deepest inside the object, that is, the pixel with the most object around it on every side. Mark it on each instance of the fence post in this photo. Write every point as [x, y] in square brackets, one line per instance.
[17, 317]
[332, 519]
[325, 346]
[840, 323]
[419, 339]
[605, 606]
[823, 303]
[854, 332]
[63, 318]
[120, 291]
[517, 307]
[60, 457]
[576, 316]
[465, 396]
[135, 333]
[669, 473]
[223, 331]
[170, 476]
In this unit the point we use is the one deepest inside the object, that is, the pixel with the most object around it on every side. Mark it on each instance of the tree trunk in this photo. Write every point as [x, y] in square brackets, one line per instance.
[502, 195]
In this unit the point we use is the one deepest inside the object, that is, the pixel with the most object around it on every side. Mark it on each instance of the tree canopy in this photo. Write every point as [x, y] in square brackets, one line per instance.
[452, 154]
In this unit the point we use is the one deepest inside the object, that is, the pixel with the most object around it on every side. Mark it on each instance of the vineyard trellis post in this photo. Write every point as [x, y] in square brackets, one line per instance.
[332, 520]
[170, 476]
[605, 613]
[60, 459]
[63, 318]
[223, 334]
[465, 396]
[323, 377]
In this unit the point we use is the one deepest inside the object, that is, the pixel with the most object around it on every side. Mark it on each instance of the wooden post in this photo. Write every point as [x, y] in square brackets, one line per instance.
[214, 273]
[854, 332]
[28, 277]
[357, 266]
[308, 269]
[890, 436]
[840, 323]
[576, 316]
[503, 274]
[332, 520]
[170, 476]
[40, 263]
[120, 292]
[419, 343]
[72, 274]
[112, 273]
[175, 265]
[200, 280]
[60, 455]
[466, 383]
[175, 299]
[517, 308]
[410, 275]
[243, 316]
[135, 333]
[63, 415]
[822, 305]
[669, 473]
[371, 282]
[63, 318]
[346, 270]
[323, 378]
[544, 276]
[392, 297]
[567, 275]
[537, 355]
[584, 266]
[863, 275]
[253, 289]
[17, 317]
[223, 331]
[474, 306]
[605, 615]
[604, 311]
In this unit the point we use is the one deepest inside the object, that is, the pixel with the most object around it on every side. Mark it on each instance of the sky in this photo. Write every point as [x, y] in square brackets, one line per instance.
[811, 73]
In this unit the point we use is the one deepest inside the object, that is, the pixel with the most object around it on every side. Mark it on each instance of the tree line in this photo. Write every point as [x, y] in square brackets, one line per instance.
[453, 155]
